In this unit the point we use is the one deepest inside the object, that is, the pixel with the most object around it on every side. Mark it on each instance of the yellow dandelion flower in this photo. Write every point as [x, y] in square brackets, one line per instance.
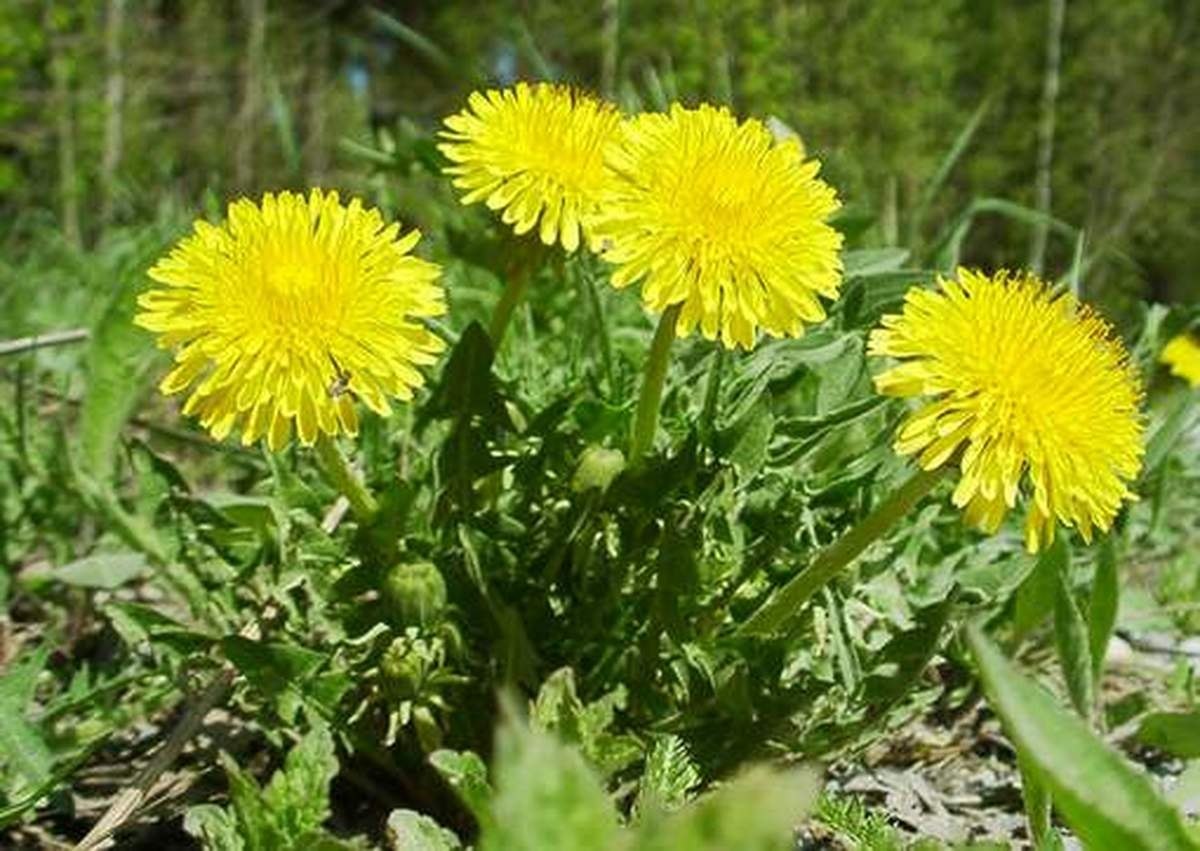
[1182, 355]
[724, 220]
[1031, 385]
[288, 312]
[536, 152]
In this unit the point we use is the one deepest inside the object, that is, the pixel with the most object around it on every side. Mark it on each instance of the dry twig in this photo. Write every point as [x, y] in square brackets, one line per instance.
[42, 341]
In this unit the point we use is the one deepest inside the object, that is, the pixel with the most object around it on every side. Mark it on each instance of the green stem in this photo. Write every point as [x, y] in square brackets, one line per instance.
[645, 421]
[601, 329]
[518, 281]
[712, 393]
[789, 599]
[1037, 803]
[339, 474]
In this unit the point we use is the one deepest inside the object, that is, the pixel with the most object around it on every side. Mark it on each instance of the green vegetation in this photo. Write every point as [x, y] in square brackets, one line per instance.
[522, 642]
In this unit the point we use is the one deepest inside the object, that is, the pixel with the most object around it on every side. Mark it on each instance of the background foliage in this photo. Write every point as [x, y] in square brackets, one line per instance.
[148, 575]
[224, 97]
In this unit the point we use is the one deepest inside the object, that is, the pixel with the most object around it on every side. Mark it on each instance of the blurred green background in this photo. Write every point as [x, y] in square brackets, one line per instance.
[131, 113]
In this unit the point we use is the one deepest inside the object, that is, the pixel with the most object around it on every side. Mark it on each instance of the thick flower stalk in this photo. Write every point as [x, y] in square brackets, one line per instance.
[1182, 356]
[722, 219]
[290, 311]
[1027, 391]
[535, 153]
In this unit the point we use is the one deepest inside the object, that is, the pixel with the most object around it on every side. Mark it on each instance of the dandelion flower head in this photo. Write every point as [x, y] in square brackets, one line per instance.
[1182, 355]
[1030, 385]
[534, 152]
[723, 219]
[286, 313]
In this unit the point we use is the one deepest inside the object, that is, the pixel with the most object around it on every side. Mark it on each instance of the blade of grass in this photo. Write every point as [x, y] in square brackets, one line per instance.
[1106, 802]
[934, 185]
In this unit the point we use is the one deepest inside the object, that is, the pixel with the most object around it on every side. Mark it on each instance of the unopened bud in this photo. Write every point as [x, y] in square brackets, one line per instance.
[416, 593]
[404, 665]
[598, 466]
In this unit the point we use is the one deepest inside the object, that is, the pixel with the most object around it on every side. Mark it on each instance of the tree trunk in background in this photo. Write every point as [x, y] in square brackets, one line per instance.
[1045, 153]
[720, 76]
[889, 215]
[114, 98]
[250, 112]
[201, 78]
[64, 131]
[316, 147]
[610, 37]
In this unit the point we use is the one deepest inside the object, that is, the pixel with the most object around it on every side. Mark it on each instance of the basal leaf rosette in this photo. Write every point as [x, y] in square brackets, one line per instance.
[1182, 357]
[720, 217]
[535, 153]
[285, 314]
[1027, 390]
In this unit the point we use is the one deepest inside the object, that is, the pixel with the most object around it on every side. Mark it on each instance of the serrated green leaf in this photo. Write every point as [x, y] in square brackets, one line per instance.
[298, 795]
[1104, 800]
[995, 580]
[788, 600]
[669, 777]
[22, 746]
[412, 831]
[547, 797]
[467, 387]
[137, 624]
[839, 377]
[1176, 733]
[756, 812]
[255, 823]
[104, 571]
[28, 799]
[750, 437]
[899, 665]
[872, 261]
[467, 774]
[557, 706]
[806, 426]
[288, 813]
[252, 512]
[271, 667]
[861, 828]
[216, 829]
[559, 710]
[869, 297]
[19, 682]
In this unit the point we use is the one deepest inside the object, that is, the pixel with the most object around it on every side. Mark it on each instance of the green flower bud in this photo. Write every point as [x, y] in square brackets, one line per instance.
[416, 593]
[87, 730]
[404, 665]
[598, 466]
